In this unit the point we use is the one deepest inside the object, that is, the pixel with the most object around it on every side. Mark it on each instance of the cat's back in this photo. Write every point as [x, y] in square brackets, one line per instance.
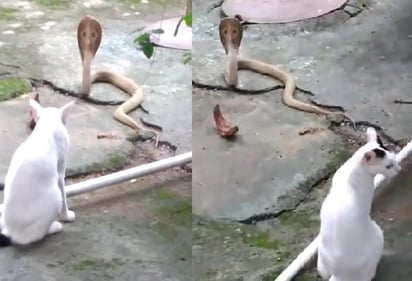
[35, 157]
[340, 199]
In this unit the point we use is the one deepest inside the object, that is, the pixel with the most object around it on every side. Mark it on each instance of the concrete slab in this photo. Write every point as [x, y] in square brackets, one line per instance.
[41, 39]
[139, 229]
[269, 167]
[355, 58]
[134, 229]
[86, 122]
[346, 64]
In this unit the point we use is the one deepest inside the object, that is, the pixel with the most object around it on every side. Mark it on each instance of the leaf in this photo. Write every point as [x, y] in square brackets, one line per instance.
[148, 50]
[145, 44]
[187, 57]
[142, 39]
[188, 19]
[157, 31]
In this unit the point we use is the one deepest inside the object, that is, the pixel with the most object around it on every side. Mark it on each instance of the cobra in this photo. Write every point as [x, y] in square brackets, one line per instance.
[231, 33]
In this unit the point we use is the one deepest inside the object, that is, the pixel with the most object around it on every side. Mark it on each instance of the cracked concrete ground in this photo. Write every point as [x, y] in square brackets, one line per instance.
[141, 229]
[138, 228]
[273, 178]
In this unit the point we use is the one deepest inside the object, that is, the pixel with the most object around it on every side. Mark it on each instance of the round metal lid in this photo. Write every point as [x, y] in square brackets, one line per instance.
[279, 11]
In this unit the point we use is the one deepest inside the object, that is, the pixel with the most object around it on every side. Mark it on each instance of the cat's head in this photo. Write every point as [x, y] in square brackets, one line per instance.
[376, 158]
[49, 114]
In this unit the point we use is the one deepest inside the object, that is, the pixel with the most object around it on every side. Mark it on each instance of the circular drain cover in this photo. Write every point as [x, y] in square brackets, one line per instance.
[279, 11]
[182, 40]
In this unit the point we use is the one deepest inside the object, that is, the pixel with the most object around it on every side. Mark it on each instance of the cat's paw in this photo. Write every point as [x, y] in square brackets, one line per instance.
[68, 216]
[55, 227]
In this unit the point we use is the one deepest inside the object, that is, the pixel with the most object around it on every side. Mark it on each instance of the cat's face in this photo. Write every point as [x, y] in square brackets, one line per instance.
[380, 161]
[377, 159]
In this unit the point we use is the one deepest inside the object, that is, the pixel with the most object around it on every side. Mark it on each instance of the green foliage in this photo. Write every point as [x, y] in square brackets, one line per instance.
[187, 57]
[146, 44]
[188, 19]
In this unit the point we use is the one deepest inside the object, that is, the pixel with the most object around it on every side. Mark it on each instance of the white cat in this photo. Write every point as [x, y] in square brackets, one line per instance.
[34, 195]
[350, 243]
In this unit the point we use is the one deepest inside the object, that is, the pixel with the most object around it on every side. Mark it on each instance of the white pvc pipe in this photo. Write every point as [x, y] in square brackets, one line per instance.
[125, 175]
[310, 251]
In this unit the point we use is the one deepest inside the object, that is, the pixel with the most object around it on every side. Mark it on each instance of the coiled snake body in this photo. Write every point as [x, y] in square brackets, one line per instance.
[89, 35]
[231, 32]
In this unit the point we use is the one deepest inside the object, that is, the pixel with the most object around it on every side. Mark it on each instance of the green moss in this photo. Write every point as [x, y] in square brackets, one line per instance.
[297, 219]
[273, 275]
[163, 194]
[112, 162]
[339, 156]
[116, 161]
[96, 264]
[7, 14]
[173, 213]
[85, 264]
[270, 276]
[13, 87]
[177, 209]
[260, 240]
[203, 228]
[52, 3]
[307, 278]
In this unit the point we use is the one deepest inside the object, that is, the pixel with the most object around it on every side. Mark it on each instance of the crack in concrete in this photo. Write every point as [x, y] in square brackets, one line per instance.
[403, 101]
[253, 220]
[263, 91]
[42, 82]
[352, 14]
[139, 138]
[215, 6]
[200, 85]
[317, 181]
[378, 128]
[10, 65]
[328, 106]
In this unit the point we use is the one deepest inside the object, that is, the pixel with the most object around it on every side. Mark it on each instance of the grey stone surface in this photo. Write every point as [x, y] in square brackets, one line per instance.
[138, 230]
[268, 168]
[361, 63]
[347, 63]
[87, 152]
[45, 47]
[133, 231]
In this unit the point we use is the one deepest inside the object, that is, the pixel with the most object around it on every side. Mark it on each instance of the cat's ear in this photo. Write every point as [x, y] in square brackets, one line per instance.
[35, 109]
[371, 134]
[65, 110]
[374, 155]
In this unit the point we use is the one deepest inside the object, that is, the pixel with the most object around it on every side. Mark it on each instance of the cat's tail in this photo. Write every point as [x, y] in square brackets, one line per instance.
[301, 261]
[4, 240]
